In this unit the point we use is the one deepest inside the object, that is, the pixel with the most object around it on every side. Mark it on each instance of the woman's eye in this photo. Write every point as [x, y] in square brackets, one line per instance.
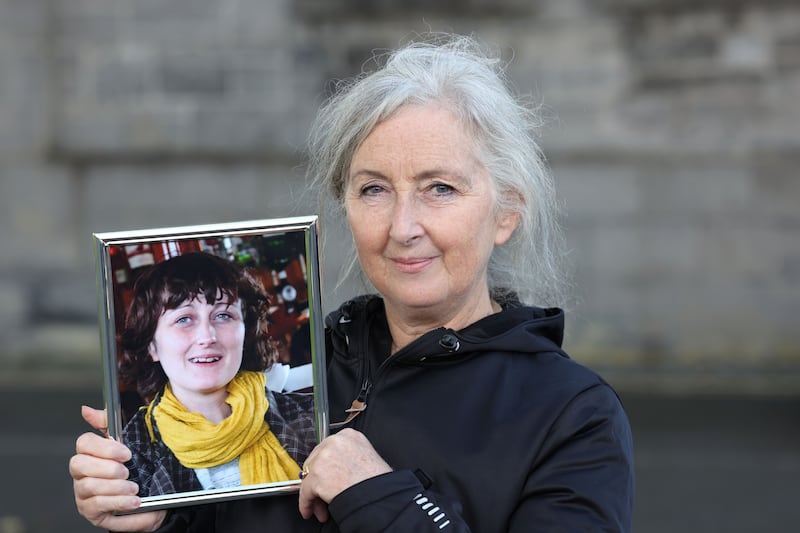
[224, 316]
[183, 320]
[441, 188]
[371, 190]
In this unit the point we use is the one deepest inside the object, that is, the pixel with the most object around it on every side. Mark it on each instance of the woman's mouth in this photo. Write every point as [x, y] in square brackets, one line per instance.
[410, 265]
[205, 359]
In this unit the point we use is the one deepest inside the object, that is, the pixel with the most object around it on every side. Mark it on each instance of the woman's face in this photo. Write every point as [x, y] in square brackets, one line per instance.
[199, 345]
[421, 209]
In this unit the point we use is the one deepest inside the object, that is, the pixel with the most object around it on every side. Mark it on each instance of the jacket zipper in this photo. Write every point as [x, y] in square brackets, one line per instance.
[358, 406]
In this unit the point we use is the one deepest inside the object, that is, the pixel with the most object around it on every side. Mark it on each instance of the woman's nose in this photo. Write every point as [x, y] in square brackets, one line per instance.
[406, 225]
[206, 334]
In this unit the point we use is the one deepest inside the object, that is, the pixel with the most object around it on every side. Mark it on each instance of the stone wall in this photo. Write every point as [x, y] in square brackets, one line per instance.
[671, 127]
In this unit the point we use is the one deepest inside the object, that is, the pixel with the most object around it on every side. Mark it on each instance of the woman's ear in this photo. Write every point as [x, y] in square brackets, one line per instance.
[153, 352]
[506, 224]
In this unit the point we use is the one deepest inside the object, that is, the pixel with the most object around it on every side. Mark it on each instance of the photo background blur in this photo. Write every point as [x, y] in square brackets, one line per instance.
[671, 128]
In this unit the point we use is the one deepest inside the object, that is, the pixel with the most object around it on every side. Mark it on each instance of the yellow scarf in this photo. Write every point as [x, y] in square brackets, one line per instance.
[198, 443]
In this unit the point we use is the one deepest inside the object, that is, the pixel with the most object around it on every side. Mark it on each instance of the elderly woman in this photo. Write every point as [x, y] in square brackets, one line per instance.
[454, 407]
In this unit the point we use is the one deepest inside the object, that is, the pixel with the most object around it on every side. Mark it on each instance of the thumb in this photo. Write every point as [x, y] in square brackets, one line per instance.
[96, 418]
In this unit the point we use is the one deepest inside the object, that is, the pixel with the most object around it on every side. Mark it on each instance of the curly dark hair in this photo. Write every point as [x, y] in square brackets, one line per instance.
[167, 285]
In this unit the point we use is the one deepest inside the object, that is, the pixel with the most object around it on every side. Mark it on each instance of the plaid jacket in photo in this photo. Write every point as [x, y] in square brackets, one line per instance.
[157, 471]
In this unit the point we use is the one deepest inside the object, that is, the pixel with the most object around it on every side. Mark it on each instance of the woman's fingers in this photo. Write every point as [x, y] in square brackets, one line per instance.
[107, 518]
[99, 500]
[96, 418]
[100, 459]
[311, 505]
[93, 500]
[102, 492]
[342, 460]
[306, 500]
[95, 445]
[321, 512]
[90, 487]
[101, 487]
[100, 480]
[337, 463]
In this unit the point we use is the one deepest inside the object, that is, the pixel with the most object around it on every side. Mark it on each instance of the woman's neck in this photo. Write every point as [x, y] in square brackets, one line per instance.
[407, 325]
[212, 406]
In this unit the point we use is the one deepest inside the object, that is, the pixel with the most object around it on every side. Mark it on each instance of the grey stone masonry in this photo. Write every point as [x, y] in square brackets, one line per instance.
[671, 128]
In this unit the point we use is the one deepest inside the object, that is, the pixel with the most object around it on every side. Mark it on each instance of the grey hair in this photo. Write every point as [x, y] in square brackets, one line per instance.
[457, 72]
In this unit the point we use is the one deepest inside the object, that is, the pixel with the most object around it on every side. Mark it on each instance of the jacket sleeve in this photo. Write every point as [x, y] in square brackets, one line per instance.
[396, 501]
[584, 479]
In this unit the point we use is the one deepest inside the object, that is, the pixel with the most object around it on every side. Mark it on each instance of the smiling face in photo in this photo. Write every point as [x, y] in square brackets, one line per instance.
[199, 346]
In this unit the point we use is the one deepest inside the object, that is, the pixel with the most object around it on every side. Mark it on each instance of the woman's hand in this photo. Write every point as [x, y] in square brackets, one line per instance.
[337, 463]
[100, 480]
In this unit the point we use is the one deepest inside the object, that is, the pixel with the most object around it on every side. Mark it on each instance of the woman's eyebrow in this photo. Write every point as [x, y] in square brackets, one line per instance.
[366, 173]
[182, 305]
[443, 172]
[425, 174]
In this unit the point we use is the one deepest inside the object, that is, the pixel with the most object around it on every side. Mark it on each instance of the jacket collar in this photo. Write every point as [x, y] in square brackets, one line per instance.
[359, 327]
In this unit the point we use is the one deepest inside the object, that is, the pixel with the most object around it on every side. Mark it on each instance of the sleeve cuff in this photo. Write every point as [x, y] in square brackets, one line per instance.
[376, 501]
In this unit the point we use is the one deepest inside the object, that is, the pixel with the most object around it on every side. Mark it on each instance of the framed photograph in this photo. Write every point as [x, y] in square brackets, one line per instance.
[213, 354]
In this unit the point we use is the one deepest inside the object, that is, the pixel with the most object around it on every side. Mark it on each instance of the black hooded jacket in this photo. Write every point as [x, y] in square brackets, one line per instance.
[489, 429]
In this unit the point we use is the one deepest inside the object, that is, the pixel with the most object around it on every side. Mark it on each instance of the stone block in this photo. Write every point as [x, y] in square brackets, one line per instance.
[751, 255]
[26, 80]
[176, 79]
[597, 190]
[15, 305]
[50, 349]
[569, 64]
[127, 197]
[64, 297]
[38, 215]
[699, 188]
[776, 189]
[317, 10]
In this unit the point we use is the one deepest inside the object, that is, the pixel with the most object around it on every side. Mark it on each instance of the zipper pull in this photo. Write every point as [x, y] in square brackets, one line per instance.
[358, 406]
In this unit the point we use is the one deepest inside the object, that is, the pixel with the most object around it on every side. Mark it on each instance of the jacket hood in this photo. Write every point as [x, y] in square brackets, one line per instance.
[516, 328]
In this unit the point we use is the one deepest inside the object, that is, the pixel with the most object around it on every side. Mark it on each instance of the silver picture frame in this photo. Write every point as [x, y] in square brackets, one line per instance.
[284, 254]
